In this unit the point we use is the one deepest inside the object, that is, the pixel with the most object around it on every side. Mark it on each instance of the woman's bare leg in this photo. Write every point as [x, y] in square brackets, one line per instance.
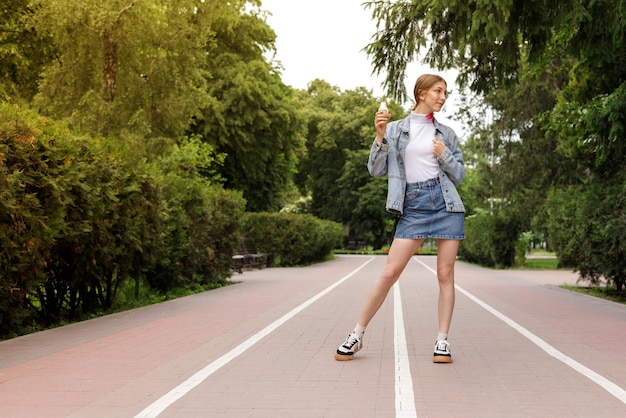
[446, 256]
[400, 253]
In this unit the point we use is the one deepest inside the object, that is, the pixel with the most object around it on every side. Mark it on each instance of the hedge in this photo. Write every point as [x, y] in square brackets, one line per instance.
[294, 239]
[78, 218]
[491, 240]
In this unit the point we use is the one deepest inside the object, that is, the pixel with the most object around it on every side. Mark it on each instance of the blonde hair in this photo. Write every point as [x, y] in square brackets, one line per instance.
[424, 83]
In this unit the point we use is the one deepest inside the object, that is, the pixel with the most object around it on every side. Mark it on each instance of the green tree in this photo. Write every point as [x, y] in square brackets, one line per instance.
[127, 66]
[201, 231]
[251, 117]
[23, 51]
[141, 70]
[32, 208]
[363, 200]
[593, 134]
[586, 225]
[488, 41]
[337, 123]
[333, 172]
[586, 221]
[514, 160]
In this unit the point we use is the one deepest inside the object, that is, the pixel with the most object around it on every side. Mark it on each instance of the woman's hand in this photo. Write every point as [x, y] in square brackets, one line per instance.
[438, 147]
[380, 122]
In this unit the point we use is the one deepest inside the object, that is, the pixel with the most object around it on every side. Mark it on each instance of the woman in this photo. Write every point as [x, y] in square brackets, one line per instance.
[423, 162]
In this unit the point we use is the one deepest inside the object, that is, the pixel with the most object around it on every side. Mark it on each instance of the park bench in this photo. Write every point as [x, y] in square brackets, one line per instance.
[256, 258]
[239, 259]
[355, 245]
[247, 256]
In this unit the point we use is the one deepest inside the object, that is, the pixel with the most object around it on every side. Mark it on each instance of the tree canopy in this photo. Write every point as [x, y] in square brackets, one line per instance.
[23, 51]
[488, 41]
[148, 73]
[250, 117]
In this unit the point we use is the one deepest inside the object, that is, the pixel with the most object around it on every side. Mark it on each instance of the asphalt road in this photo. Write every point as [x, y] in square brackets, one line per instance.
[522, 347]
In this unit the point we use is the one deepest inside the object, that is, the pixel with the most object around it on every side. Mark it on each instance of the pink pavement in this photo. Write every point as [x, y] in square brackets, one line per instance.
[118, 365]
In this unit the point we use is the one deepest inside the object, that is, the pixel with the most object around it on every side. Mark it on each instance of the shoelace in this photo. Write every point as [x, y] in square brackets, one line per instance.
[352, 339]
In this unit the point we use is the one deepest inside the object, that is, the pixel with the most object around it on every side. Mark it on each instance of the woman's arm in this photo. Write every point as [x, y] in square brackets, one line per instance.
[377, 162]
[451, 160]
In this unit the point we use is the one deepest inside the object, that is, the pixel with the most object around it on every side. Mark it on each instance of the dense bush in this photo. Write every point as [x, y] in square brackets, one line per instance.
[200, 235]
[106, 225]
[78, 218]
[34, 172]
[491, 240]
[197, 235]
[586, 228]
[294, 239]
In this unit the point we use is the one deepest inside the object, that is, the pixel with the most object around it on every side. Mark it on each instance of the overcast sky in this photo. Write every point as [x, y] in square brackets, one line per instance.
[324, 39]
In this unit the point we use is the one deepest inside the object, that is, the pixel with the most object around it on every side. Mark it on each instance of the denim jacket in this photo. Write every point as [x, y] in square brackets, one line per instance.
[386, 159]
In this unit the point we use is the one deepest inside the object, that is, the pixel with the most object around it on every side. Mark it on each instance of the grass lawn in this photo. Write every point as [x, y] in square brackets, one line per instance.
[609, 293]
[549, 263]
[540, 264]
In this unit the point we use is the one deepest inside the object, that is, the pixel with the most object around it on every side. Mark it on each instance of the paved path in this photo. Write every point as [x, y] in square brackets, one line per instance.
[522, 347]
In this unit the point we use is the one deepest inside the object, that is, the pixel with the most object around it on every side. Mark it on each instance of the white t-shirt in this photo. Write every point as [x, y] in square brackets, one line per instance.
[419, 159]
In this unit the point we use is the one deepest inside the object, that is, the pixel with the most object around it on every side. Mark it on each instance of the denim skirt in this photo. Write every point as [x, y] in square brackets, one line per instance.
[425, 214]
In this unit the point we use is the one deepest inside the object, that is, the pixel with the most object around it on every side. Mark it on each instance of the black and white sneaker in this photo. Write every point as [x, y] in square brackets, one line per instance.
[442, 352]
[350, 346]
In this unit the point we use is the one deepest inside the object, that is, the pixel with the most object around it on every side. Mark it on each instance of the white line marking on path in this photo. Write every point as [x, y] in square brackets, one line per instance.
[605, 383]
[158, 406]
[405, 398]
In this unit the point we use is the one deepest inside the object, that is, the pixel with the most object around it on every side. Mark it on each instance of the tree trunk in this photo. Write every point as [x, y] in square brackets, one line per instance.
[110, 67]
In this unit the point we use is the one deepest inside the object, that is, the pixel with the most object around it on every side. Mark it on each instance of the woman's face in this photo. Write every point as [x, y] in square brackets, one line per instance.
[434, 98]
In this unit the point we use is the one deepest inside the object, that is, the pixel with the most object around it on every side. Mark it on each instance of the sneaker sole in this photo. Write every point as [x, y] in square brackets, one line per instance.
[343, 357]
[442, 359]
